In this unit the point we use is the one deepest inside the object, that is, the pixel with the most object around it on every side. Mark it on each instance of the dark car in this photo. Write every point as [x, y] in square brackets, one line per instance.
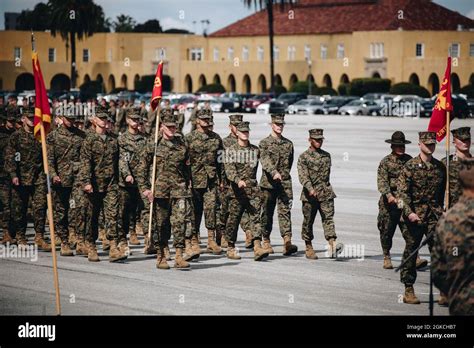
[470, 104]
[251, 105]
[460, 107]
[332, 106]
[426, 107]
[291, 98]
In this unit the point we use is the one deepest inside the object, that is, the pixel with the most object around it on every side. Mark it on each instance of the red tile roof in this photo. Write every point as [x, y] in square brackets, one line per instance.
[345, 16]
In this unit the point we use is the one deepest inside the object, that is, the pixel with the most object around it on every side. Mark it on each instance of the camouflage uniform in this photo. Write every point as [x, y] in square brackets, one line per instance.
[64, 151]
[179, 116]
[453, 250]
[421, 190]
[276, 157]
[314, 170]
[192, 118]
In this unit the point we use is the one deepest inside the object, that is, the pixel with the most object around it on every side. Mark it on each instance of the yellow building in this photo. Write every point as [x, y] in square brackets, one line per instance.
[331, 42]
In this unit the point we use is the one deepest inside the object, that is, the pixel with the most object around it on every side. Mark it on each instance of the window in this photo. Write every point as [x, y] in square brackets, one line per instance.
[245, 53]
[324, 51]
[160, 53]
[51, 54]
[471, 50]
[276, 52]
[291, 52]
[340, 51]
[109, 55]
[215, 54]
[260, 53]
[376, 50]
[454, 50]
[85, 55]
[420, 50]
[196, 53]
[17, 53]
[307, 52]
[230, 53]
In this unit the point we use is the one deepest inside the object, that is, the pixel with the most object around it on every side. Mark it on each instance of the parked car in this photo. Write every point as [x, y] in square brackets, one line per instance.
[460, 106]
[332, 106]
[271, 107]
[306, 106]
[470, 104]
[290, 98]
[251, 104]
[427, 105]
[360, 107]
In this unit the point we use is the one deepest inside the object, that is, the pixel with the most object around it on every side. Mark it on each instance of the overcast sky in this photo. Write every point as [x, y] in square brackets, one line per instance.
[188, 14]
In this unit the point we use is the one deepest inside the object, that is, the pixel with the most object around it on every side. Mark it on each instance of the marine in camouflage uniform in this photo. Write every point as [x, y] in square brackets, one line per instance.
[172, 191]
[24, 164]
[241, 164]
[277, 158]
[205, 147]
[314, 170]
[462, 142]
[453, 248]
[421, 192]
[64, 151]
[98, 176]
[389, 216]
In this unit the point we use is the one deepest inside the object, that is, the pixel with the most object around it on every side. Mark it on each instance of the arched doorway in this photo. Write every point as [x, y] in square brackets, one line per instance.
[246, 84]
[293, 80]
[216, 79]
[231, 83]
[25, 81]
[376, 75]
[455, 83]
[433, 84]
[111, 83]
[278, 80]
[124, 81]
[202, 81]
[188, 84]
[100, 79]
[136, 81]
[262, 84]
[60, 82]
[344, 79]
[414, 80]
[86, 78]
[327, 81]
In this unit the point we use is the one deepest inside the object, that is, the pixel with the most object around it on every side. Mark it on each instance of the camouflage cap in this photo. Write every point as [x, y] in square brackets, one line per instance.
[466, 172]
[134, 113]
[278, 118]
[13, 113]
[28, 111]
[235, 119]
[167, 118]
[316, 133]
[204, 113]
[398, 138]
[243, 126]
[462, 133]
[101, 112]
[427, 137]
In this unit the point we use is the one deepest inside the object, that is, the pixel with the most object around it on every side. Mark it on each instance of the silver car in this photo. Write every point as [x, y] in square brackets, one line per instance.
[360, 107]
[306, 106]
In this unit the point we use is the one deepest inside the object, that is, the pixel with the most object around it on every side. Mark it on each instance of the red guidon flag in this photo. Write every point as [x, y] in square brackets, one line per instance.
[42, 110]
[442, 106]
[157, 87]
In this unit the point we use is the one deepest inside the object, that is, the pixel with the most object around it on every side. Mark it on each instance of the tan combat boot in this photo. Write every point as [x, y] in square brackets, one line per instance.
[41, 243]
[387, 260]
[309, 252]
[195, 246]
[133, 238]
[212, 246]
[267, 246]
[410, 296]
[288, 248]
[124, 248]
[188, 251]
[179, 261]
[443, 299]
[66, 250]
[258, 252]
[21, 240]
[72, 238]
[115, 254]
[232, 253]
[57, 240]
[167, 253]
[334, 248]
[248, 240]
[224, 244]
[105, 241]
[420, 263]
[92, 255]
[81, 248]
[149, 248]
[139, 229]
[160, 259]
[6, 238]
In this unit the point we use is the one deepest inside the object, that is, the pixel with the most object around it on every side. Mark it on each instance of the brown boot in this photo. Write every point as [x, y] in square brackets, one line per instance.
[258, 252]
[212, 246]
[267, 246]
[81, 248]
[41, 243]
[102, 234]
[443, 299]
[310, 253]
[160, 259]
[188, 251]
[124, 248]
[410, 296]
[6, 238]
[248, 240]
[105, 244]
[92, 255]
[167, 253]
[66, 250]
[179, 261]
[420, 263]
[149, 248]
[72, 239]
[232, 253]
[288, 248]
[224, 244]
[195, 246]
[133, 238]
[21, 241]
[334, 248]
[115, 254]
[139, 229]
[57, 241]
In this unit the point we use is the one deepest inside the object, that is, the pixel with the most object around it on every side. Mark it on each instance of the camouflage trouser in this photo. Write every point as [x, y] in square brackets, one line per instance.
[310, 209]
[224, 199]
[128, 206]
[108, 201]
[5, 201]
[413, 236]
[249, 202]
[61, 202]
[387, 221]
[283, 196]
[19, 207]
[79, 210]
[205, 201]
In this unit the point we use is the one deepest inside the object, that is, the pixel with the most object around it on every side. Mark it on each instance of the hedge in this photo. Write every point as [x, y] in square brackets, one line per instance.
[361, 86]
[409, 88]
[212, 88]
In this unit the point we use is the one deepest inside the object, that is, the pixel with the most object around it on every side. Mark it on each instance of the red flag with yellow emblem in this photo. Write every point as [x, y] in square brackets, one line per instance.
[442, 106]
[42, 110]
[157, 87]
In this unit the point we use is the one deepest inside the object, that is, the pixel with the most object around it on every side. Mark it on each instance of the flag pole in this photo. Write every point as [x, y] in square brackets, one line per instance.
[447, 158]
[49, 202]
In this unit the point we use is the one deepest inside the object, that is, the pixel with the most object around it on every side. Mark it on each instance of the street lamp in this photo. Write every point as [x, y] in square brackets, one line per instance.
[308, 61]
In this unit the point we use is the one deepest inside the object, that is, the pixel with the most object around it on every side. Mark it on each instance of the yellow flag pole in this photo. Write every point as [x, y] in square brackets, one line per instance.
[447, 159]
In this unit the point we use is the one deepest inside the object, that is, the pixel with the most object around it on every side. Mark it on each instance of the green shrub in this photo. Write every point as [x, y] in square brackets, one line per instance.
[361, 86]
[409, 88]
[212, 88]
[324, 91]
[302, 87]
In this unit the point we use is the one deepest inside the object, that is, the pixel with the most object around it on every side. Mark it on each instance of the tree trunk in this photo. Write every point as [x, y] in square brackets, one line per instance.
[73, 59]
[270, 33]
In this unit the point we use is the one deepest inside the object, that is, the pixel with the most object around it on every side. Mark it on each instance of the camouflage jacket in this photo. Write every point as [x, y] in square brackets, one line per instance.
[314, 171]
[99, 162]
[421, 187]
[388, 173]
[64, 153]
[276, 156]
[180, 122]
[120, 121]
[130, 146]
[227, 142]
[452, 257]
[241, 163]
[205, 150]
[24, 159]
[172, 168]
[455, 190]
[4, 139]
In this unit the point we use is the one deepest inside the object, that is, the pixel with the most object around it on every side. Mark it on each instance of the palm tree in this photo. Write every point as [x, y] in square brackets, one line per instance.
[76, 19]
[268, 5]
